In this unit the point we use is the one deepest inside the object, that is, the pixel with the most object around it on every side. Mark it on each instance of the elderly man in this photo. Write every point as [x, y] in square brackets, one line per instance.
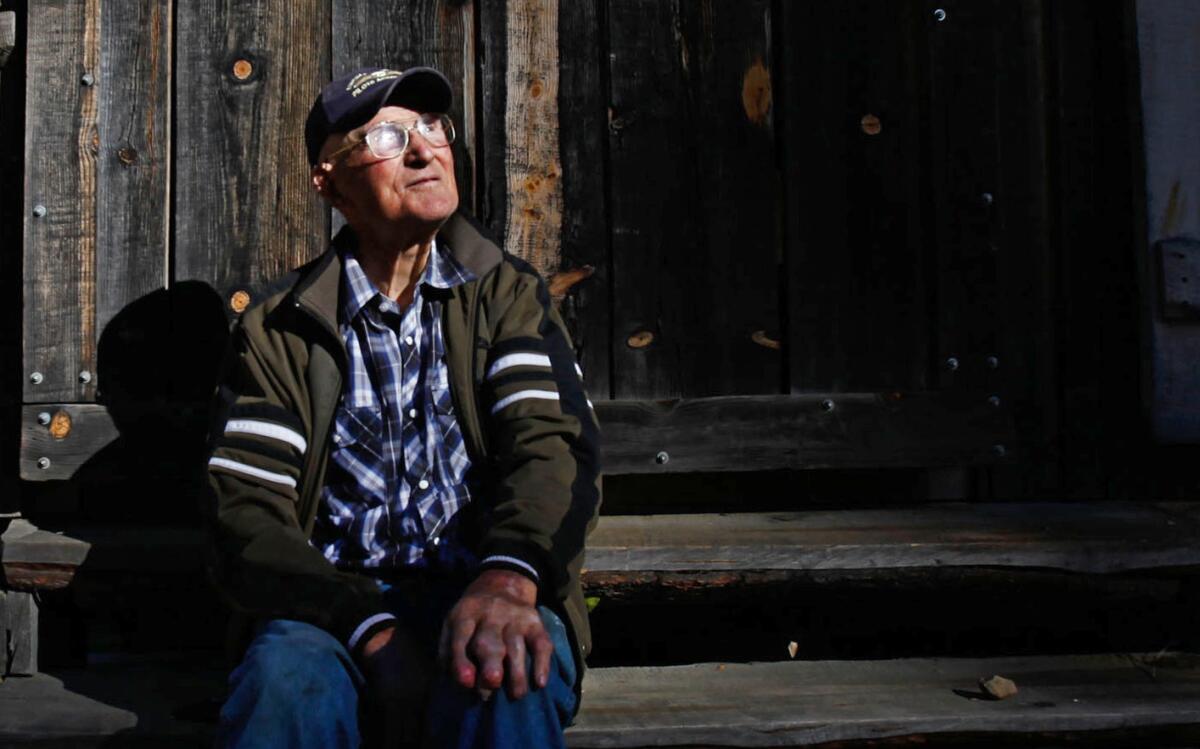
[404, 462]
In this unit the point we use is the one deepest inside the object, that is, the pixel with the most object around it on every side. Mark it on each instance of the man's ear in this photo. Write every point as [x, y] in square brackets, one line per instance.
[321, 179]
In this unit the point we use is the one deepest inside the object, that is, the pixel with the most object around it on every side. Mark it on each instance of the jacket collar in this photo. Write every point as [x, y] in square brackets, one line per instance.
[317, 290]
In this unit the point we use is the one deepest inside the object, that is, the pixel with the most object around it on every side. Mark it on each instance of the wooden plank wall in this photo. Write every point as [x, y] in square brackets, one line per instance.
[752, 198]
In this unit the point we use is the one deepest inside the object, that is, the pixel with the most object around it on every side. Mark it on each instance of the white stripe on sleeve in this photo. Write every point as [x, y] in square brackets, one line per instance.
[509, 361]
[512, 560]
[267, 429]
[523, 395]
[258, 473]
[361, 629]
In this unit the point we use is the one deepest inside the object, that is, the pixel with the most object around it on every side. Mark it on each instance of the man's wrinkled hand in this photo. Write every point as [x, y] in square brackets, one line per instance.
[487, 634]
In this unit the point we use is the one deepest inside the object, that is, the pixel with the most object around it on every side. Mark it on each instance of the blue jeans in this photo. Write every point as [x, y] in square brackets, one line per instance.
[297, 686]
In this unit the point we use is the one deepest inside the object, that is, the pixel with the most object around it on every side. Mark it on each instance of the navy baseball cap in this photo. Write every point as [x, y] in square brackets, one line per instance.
[355, 98]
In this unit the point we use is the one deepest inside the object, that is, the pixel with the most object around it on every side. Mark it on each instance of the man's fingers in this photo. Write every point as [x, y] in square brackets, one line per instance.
[487, 650]
[543, 649]
[514, 661]
[463, 669]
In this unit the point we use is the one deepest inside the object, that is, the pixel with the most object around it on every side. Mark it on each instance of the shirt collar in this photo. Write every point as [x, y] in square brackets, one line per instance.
[442, 271]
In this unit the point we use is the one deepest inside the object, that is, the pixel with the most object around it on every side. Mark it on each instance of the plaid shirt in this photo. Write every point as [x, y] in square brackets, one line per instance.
[397, 470]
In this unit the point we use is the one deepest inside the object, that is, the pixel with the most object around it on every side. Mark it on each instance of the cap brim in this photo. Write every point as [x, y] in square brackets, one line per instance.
[423, 89]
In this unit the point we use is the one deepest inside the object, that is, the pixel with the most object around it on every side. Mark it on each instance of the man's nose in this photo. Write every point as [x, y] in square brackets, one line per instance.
[419, 150]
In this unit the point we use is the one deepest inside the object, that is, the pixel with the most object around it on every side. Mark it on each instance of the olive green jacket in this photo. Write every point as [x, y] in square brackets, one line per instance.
[527, 423]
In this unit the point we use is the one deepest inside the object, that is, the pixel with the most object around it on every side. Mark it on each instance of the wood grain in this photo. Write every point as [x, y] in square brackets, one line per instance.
[91, 430]
[819, 702]
[61, 141]
[754, 433]
[402, 34]
[1093, 538]
[244, 211]
[133, 173]
[693, 198]
[533, 225]
[583, 137]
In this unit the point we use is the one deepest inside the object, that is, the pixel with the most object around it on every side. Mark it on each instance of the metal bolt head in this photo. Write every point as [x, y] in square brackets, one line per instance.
[36, 378]
[987, 198]
[39, 210]
[44, 418]
[43, 463]
[87, 79]
[952, 364]
[939, 15]
[827, 405]
[994, 401]
[85, 377]
[999, 451]
[993, 362]
[662, 457]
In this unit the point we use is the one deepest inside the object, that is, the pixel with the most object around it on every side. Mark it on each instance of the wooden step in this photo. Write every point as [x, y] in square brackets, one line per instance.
[1084, 537]
[1137, 698]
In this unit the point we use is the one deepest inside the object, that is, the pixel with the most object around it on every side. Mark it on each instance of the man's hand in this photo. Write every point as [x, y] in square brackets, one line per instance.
[398, 678]
[488, 632]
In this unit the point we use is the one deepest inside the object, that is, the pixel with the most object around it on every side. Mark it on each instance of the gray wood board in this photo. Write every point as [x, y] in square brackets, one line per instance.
[403, 34]
[748, 433]
[61, 144]
[805, 703]
[694, 205]
[1098, 537]
[244, 210]
[91, 429]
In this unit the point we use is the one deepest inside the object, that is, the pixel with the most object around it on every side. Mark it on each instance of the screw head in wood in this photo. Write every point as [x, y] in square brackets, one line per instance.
[999, 451]
[987, 198]
[39, 210]
[43, 463]
[994, 401]
[870, 124]
[939, 15]
[827, 405]
[85, 377]
[242, 69]
[44, 418]
[88, 79]
[662, 457]
[239, 301]
[952, 364]
[993, 362]
[36, 378]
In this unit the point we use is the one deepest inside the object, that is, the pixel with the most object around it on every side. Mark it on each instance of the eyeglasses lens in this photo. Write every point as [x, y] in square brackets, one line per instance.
[389, 139]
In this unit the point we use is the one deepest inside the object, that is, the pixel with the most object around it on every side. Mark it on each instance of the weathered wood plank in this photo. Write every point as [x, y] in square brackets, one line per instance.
[851, 154]
[71, 436]
[812, 703]
[8, 34]
[533, 170]
[19, 628]
[693, 197]
[133, 85]
[402, 34]
[747, 433]
[246, 75]
[583, 135]
[1088, 538]
[61, 144]
[815, 702]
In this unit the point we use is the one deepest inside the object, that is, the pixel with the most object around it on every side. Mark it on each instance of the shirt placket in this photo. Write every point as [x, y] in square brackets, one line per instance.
[416, 466]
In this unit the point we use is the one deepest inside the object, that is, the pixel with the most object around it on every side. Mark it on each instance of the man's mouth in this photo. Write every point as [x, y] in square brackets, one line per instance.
[422, 181]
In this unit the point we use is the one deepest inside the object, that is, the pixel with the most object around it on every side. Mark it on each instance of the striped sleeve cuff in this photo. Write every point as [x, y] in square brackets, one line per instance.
[369, 627]
[504, 562]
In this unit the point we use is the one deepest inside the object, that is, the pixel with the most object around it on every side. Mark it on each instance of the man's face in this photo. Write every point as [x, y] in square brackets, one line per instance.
[416, 188]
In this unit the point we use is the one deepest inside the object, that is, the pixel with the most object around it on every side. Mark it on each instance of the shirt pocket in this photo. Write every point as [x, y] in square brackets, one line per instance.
[359, 432]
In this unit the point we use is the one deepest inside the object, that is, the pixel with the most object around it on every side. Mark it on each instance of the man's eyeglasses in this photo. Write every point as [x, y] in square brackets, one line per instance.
[387, 140]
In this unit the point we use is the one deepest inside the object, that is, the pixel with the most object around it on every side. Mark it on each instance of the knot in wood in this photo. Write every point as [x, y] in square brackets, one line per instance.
[60, 425]
[127, 155]
[640, 339]
[239, 301]
[871, 125]
[242, 69]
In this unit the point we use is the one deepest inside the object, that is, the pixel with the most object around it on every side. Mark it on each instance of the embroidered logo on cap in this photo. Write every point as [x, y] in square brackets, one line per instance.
[364, 81]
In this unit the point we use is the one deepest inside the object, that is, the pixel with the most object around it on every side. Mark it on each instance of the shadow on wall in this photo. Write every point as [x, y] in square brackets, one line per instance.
[158, 361]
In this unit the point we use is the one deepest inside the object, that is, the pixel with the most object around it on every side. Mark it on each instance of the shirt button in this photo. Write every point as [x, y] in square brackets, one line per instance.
[412, 413]
[408, 340]
[422, 484]
[435, 540]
